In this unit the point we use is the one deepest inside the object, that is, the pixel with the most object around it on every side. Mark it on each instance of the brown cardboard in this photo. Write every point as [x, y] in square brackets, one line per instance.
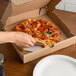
[15, 19]
[12, 17]
[13, 10]
[62, 25]
[34, 4]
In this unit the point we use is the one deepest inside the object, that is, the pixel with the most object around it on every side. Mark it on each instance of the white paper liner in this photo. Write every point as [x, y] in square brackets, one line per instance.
[34, 48]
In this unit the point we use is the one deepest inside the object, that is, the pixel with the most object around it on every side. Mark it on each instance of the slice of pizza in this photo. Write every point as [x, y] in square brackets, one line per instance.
[43, 31]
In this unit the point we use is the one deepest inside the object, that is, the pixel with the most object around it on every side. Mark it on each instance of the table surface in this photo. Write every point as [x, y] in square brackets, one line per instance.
[13, 64]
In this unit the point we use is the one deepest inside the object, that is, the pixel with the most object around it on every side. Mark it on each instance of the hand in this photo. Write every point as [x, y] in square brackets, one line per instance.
[23, 40]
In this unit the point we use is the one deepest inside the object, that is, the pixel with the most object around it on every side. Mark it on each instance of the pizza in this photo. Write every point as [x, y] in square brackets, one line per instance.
[43, 31]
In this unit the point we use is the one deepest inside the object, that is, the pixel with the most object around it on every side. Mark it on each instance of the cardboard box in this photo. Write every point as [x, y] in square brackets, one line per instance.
[17, 12]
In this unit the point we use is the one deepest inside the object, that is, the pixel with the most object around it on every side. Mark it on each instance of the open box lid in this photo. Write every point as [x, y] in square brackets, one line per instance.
[18, 7]
[21, 6]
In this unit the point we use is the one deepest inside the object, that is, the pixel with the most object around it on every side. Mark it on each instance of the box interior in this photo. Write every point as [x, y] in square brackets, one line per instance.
[15, 20]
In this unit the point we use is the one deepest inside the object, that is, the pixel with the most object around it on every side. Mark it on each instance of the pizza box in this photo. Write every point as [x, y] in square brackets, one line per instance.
[19, 10]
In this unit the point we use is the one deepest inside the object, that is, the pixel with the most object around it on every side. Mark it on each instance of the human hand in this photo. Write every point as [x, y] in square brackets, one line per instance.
[23, 40]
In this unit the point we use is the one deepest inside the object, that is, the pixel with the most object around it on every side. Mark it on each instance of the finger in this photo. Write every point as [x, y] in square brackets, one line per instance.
[30, 43]
[24, 45]
[32, 39]
[27, 46]
[28, 40]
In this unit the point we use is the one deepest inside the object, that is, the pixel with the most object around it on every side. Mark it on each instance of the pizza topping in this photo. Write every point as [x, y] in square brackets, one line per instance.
[51, 26]
[55, 28]
[41, 20]
[25, 24]
[49, 32]
[27, 27]
[55, 35]
[33, 34]
[31, 24]
[45, 23]
[22, 26]
[29, 20]
[44, 38]
[34, 23]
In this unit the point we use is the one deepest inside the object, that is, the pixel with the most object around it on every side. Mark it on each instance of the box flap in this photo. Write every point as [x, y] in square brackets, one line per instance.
[52, 4]
[29, 6]
[13, 10]
[3, 5]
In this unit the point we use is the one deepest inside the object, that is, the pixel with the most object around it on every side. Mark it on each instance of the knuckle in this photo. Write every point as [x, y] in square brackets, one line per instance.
[32, 44]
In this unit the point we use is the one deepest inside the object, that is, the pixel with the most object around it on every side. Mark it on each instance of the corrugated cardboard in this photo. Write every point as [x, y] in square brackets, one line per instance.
[37, 9]
[32, 5]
